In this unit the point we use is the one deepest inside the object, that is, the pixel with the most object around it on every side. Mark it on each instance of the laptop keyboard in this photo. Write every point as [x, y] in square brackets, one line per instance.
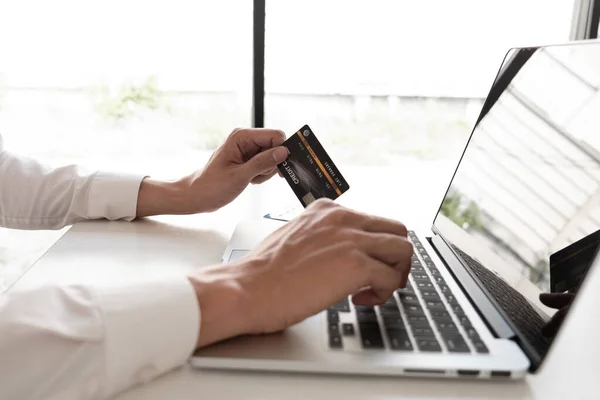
[424, 316]
[512, 302]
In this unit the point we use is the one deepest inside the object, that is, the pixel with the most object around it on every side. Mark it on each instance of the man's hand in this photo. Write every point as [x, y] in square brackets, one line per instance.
[247, 156]
[309, 264]
[560, 301]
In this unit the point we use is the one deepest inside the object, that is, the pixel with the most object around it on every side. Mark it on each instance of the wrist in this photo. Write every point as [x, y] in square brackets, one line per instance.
[162, 197]
[221, 303]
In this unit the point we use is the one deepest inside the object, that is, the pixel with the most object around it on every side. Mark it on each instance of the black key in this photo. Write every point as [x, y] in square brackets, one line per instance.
[456, 344]
[439, 308]
[472, 333]
[390, 313]
[407, 290]
[417, 324]
[445, 289]
[432, 303]
[420, 331]
[335, 341]
[439, 279]
[400, 327]
[480, 346]
[408, 297]
[400, 341]
[413, 309]
[429, 345]
[458, 310]
[343, 306]
[348, 329]
[422, 280]
[425, 285]
[446, 326]
[425, 337]
[419, 274]
[389, 306]
[438, 314]
[464, 320]
[371, 337]
[390, 321]
[366, 317]
[451, 299]
[430, 294]
[417, 318]
[332, 316]
[412, 303]
[334, 329]
[365, 309]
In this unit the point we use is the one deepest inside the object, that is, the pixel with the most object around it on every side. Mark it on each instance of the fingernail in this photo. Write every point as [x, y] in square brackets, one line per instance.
[280, 154]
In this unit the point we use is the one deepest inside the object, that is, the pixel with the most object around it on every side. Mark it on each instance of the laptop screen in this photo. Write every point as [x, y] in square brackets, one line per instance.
[528, 184]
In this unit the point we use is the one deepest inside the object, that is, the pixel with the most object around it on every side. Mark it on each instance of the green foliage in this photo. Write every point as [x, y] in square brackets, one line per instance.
[466, 217]
[129, 99]
[537, 271]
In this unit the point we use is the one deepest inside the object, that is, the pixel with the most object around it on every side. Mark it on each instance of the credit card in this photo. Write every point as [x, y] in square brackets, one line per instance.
[309, 170]
[569, 266]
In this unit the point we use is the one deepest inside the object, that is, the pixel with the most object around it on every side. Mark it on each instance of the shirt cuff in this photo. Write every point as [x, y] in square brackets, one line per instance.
[113, 196]
[151, 328]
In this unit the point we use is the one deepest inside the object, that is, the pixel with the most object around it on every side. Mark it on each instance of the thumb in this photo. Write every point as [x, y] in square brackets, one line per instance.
[266, 160]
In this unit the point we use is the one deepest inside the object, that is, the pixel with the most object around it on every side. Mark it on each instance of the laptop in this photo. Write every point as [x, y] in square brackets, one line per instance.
[526, 187]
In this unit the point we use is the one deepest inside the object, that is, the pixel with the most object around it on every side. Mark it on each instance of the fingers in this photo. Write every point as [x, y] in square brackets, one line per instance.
[251, 141]
[264, 177]
[366, 297]
[356, 219]
[380, 224]
[265, 162]
[393, 250]
[556, 300]
[383, 281]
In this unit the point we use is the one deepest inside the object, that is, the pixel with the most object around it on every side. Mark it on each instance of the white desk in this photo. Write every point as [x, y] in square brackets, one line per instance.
[110, 251]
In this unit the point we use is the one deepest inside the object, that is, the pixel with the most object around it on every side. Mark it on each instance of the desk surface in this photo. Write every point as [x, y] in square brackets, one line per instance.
[112, 251]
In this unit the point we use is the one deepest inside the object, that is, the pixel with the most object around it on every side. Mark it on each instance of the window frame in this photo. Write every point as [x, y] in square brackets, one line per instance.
[584, 26]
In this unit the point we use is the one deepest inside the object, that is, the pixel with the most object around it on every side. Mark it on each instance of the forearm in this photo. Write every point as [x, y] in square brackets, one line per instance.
[80, 342]
[161, 197]
[33, 196]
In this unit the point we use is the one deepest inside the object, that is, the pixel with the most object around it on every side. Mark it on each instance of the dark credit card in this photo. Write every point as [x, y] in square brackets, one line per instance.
[309, 170]
[569, 266]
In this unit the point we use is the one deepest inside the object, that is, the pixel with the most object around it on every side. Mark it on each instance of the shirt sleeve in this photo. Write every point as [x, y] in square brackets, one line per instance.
[33, 196]
[81, 342]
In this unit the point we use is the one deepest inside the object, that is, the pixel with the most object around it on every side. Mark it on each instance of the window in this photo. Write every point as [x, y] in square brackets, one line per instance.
[383, 81]
[118, 84]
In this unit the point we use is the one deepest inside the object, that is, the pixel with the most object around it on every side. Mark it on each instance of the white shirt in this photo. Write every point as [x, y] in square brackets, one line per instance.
[84, 342]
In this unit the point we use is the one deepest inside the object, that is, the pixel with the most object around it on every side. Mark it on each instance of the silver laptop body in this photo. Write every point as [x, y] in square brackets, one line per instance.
[526, 186]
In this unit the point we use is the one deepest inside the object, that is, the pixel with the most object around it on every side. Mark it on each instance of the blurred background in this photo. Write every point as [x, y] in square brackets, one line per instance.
[155, 87]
